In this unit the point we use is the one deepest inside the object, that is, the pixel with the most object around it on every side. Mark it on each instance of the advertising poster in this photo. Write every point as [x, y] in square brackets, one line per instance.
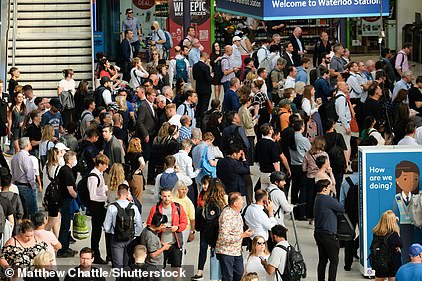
[386, 173]
[371, 26]
[303, 9]
[200, 18]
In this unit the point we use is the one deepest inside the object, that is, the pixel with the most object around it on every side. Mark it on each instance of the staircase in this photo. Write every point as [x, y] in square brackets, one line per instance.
[51, 35]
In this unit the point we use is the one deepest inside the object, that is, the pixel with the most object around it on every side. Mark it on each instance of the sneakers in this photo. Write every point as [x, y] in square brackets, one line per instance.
[99, 260]
[197, 277]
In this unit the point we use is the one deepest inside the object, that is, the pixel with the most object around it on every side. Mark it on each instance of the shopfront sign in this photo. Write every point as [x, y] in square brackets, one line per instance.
[386, 173]
[200, 19]
[303, 9]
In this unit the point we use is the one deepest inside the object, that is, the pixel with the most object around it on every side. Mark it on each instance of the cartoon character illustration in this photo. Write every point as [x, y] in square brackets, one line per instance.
[407, 182]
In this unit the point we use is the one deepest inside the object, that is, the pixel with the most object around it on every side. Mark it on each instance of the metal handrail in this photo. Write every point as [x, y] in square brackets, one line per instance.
[15, 16]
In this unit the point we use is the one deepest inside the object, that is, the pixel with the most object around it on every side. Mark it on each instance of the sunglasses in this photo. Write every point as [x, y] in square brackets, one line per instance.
[130, 12]
[261, 243]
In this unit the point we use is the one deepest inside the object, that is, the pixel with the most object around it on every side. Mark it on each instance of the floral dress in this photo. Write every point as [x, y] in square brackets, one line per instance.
[21, 257]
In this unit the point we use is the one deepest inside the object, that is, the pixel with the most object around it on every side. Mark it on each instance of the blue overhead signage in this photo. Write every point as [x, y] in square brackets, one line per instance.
[303, 9]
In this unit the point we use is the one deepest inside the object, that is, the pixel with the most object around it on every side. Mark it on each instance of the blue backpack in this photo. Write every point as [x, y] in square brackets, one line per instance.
[168, 180]
[169, 42]
[181, 70]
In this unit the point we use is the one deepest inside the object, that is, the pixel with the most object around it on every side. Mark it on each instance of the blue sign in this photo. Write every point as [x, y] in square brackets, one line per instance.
[304, 9]
[385, 174]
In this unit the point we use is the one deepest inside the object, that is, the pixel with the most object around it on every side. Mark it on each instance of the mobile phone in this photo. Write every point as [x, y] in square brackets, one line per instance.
[168, 227]
[262, 258]
[265, 202]
[257, 116]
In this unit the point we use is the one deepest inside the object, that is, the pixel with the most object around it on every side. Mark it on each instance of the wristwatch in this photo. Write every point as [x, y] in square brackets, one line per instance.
[192, 231]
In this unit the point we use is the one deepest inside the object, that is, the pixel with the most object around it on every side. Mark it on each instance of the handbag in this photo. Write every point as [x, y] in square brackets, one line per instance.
[354, 125]
[206, 167]
[80, 226]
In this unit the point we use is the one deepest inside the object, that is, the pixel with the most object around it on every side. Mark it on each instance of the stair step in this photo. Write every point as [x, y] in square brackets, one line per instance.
[21, 23]
[45, 2]
[46, 30]
[56, 68]
[51, 52]
[39, 77]
[48, 44]
[51, 60]
[54, 15]
[52, 7]
[36, 36]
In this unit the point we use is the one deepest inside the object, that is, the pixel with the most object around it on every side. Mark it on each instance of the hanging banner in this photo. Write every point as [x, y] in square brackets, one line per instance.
[200, 18]
[303, 9]
[382, 186]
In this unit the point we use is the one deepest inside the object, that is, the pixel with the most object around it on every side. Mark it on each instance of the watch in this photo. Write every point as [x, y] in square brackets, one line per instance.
[192, 231]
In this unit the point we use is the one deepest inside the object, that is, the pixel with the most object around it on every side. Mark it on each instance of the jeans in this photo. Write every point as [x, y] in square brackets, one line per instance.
[65, 224]
[119, 255]
[339, 180]
[98, 213]
[231, 267]
[328, 248]
[226, 86]
[203, 249]
[298, 190]
[28, 197]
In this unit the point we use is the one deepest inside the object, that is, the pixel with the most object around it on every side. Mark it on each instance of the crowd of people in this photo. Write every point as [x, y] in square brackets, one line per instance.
[284, 140]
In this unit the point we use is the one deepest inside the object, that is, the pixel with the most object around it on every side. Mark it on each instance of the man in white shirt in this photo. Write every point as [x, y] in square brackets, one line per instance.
[236, 56]
[184, 161]
[173, 118]
[179, 55]
[277, 261]
[277, 196]
[342, 125]
[188, 107]
[404, 83]
[263, 52]
[356, 89]
[291, 78]
[30, 99]
[98, 197]
[255, 217]
[409, 138]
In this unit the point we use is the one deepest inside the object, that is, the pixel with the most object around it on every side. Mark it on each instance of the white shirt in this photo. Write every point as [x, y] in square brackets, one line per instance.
[97, 192]
[253, 264]
[236, 56]
[407, 140]
[264, 88]
[289, 83]
[110, 219]
[68, 85]
[343, 110]
[279, 200]
[136, 75]
[278, 258]
[107, 96]
[180, 176]
[262, 54]
[184, 162]
[307, 107]
[257, 219]
[172, 67]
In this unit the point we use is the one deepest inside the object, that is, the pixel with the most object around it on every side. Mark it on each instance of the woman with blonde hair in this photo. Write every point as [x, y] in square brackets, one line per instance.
[47, 142]
[387, 231]
[117, 177]
[180, 192]
[44, 261]
[251, 276]
[135, 163]
[253, 262]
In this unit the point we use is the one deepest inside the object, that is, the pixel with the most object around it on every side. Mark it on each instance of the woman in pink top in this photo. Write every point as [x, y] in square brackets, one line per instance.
[40, 220]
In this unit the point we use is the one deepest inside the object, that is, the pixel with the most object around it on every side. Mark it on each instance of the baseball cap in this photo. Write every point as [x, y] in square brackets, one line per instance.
[415, 250]
[236, 38]
[61, 146]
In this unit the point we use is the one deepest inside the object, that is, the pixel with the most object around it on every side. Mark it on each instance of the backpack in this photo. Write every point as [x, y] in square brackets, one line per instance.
[416, 209]
[269, 82]
[181, 70]
[336, 155]
[82, 165]
[331, 108]
[345, 229]
[124, 228]
[393, 64]
[169, 42]
[98, 94]
[210, 227]
[66, 99]
[83, 190]
[78, 132]
[295, 267]
[168, 180]
[254, 56]
[52, 197]
[246, 241]
[218, 71]
[181, 42]
[266, 63]
[380, 255]
[235, 138]
[351, 204]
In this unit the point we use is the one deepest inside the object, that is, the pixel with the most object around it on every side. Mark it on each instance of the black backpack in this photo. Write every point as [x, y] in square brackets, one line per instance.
[218, 71]
[331, 108]
[351, 204]
[380, 255]
[336, 156]
[276, 213]
[210, 226]
[83, 190]
[393, 64]
[345, 229]
[235, 139]
[295, 268]
[313, 76]
[53, 197]
[124, 228]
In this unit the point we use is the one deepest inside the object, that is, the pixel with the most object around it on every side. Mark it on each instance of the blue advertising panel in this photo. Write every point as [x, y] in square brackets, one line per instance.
[381, 172]
[304, 9]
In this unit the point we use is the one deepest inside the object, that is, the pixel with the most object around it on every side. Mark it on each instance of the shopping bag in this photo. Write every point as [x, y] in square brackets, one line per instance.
[80, 226]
